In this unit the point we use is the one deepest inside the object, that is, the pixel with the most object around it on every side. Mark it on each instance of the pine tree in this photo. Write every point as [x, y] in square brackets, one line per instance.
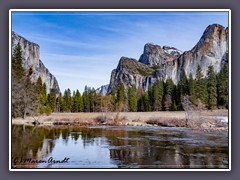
[44, 95]
[168, 94]
[86, 99]
[114, 99]
[201, 86]
[146, 102]
[70, 100]
[18, 75]
[48, 110]
[191, 87]
[132, 99]
[212, 88]
[38, 92]
[73, 108]
[222, 87]
[92, 98]
[39, 86]
[183, 84]
[44, 100]
[80, 101]
[67, 100]
[121, 94]
[175, 98]
[120, 98]
[59, 103]
[17, 64]
[52, 99]
[158, 96]
[169, 85]
[151, 98]
[77, 102]
[174, 106]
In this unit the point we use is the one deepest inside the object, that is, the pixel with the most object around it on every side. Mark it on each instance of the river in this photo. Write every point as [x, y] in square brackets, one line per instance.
[117, 147]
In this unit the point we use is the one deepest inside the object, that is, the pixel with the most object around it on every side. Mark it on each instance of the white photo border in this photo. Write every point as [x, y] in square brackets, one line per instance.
[119, 10]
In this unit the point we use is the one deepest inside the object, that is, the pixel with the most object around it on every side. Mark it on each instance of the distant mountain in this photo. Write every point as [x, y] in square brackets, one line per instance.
[31, 58]
[102, 90]
[159, 63]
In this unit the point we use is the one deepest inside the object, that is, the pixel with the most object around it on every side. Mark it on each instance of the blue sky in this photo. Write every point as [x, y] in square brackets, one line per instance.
[82, 48]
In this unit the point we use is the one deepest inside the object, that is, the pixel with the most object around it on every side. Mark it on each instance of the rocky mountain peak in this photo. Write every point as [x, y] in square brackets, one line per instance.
[159, 63]
[172, 51]
[154, 55]
[151, 47]
[211, 49]
[124, 61]
[133, 66]
[129, 72]
[212, 36]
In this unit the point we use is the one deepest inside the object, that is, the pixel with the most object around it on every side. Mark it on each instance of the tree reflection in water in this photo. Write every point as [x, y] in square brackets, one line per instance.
[32, 142]
[124, 147]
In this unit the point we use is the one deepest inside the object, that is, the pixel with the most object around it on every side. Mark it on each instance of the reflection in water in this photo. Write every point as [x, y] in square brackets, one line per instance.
[31, 142]
[118, 147]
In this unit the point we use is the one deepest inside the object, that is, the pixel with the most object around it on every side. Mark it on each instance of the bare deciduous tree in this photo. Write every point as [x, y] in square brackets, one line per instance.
[24, 98]
[193, 112]
[167, 102]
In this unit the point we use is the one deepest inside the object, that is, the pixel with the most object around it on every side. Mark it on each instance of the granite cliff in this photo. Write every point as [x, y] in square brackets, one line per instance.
[159, 63]
[102, 90]
[31, 58]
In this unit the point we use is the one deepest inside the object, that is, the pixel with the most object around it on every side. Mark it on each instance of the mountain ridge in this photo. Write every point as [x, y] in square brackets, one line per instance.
[211, 49]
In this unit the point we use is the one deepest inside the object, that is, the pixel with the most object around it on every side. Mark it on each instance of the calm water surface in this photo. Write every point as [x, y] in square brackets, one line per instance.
[117, 147]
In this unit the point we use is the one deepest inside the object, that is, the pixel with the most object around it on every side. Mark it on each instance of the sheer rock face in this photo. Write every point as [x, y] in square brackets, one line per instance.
[212, 49]
[158, 63]
[31, 58]
[154, 55]
[130, 72]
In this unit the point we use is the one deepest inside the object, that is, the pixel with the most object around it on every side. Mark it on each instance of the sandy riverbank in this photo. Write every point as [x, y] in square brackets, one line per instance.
[207, 119]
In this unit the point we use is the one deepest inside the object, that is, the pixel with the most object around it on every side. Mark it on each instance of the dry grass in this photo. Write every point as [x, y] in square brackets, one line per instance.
[174, 122]
[162, 118]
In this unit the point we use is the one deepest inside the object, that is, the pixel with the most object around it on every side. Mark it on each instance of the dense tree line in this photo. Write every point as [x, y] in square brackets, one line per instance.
[211, 91]
[31, 98]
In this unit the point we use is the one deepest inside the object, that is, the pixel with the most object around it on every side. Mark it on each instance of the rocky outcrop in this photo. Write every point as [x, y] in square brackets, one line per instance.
[173, 51]
[31, 58]
[158, 63]
[211, 49]
[130, 72]
[153, 55]
[154, 64]
[102, 90]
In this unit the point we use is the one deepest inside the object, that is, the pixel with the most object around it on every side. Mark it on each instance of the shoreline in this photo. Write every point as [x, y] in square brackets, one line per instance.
[208, 120]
